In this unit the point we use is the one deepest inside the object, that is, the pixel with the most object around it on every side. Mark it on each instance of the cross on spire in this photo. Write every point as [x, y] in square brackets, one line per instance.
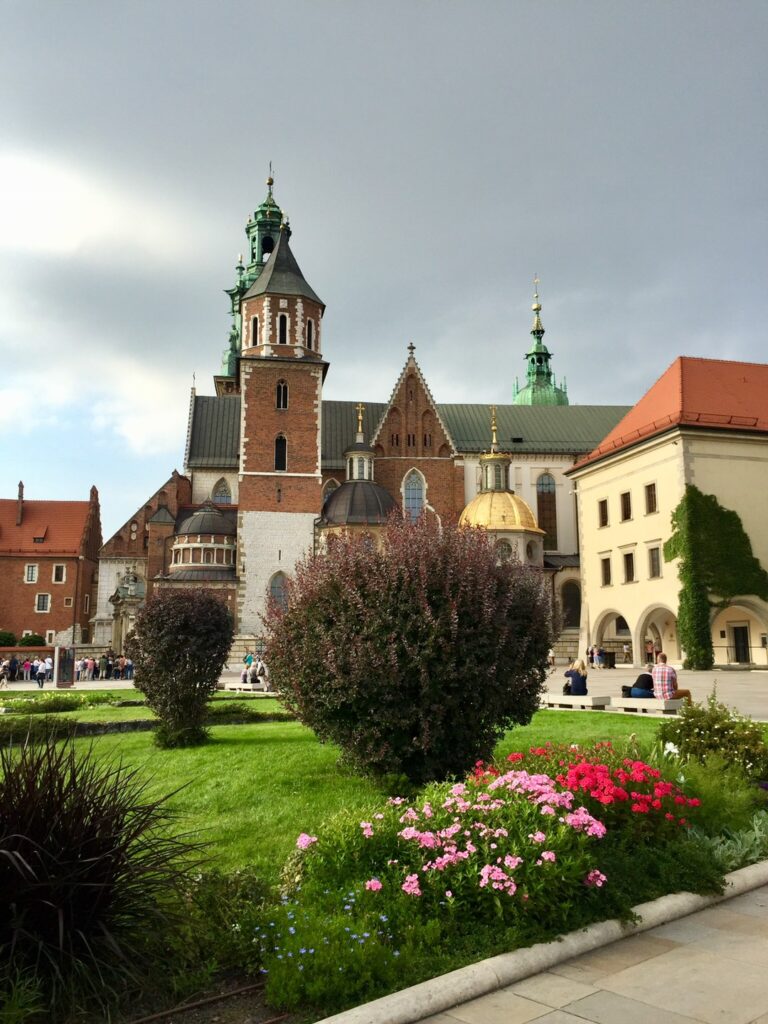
[360, 410]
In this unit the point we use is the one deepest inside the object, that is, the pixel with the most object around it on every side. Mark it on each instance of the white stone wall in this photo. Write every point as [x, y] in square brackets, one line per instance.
[110, 570]
[269, 542]
[204, 480]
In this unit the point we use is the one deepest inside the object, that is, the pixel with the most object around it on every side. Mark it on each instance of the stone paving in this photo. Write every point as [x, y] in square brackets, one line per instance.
[710, 967]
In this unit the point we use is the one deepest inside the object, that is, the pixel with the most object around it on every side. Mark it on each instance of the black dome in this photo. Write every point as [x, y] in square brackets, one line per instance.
[208, 519]
[357, 502]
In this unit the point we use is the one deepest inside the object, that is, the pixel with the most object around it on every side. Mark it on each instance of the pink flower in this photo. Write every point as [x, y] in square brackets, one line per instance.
[448, 894]
[537, 837]
[305, 841]
[549, 855]
[595, 879]
[373, 885]
[367, 828]
[411, 885]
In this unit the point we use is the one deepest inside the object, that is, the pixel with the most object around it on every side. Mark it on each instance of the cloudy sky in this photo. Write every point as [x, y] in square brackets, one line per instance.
[432, 156]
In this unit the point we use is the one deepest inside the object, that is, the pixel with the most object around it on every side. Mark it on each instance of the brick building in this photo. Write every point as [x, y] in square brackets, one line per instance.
[267, 453]
[49, 552]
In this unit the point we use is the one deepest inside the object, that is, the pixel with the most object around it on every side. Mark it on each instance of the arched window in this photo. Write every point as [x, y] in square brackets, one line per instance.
[282, 329]
[360, 468]
[503, 551]
[546, 509]
[329, 487]
[255, 331]
[413, 492]
[277, 589]
[208, 556]
[281, 395]
[222, 495]
[281, 453]
[310, 334]
[570, 597]
[497, 477]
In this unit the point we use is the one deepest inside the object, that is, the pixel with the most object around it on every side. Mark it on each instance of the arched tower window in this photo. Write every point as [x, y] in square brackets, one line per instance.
[413, 493]
[546, 509]
[282, 329]
[310, 334]
[222, 495]
[255, 340]
[281, 395]
[497, 477]
[277, 589]
[281, 453]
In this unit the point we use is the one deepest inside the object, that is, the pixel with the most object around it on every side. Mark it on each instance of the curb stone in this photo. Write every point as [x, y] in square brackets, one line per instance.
[440, 994]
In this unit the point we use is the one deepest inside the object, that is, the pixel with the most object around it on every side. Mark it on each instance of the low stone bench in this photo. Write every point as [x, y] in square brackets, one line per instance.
[648, 705]
[565, 700]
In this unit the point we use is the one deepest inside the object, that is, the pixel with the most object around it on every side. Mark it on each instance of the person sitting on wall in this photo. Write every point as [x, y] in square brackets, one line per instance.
[665, 682]
[643, 685]
[577, 674]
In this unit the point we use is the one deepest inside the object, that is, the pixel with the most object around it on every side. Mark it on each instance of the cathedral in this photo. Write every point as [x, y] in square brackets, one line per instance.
[271, 468]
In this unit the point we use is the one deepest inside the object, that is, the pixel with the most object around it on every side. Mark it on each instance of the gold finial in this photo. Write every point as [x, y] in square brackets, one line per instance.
[536, 307]
[494, 439]
[270, 179]
[360, 410]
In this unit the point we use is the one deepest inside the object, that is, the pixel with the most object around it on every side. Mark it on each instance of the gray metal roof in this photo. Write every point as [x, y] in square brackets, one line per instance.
[215, 432]
[282, 275]
[207, 519]
[575, 429]
[205, 572]
[357, 502]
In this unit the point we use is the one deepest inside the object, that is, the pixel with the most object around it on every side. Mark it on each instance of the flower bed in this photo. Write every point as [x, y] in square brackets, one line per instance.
[543, 843]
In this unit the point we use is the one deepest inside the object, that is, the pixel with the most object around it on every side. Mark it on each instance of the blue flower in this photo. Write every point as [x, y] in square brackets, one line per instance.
[291, 930]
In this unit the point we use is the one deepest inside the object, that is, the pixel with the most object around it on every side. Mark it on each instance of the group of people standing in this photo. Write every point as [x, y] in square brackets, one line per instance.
[31, 670]
[108, 666]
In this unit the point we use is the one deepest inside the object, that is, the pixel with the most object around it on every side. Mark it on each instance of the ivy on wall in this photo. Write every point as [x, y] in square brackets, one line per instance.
[716, 564]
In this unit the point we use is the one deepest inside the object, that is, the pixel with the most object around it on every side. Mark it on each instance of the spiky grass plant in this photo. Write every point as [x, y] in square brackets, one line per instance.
[91, 879]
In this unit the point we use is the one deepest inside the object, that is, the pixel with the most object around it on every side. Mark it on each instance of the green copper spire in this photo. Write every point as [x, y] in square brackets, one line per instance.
[540, 387]
[262, 231]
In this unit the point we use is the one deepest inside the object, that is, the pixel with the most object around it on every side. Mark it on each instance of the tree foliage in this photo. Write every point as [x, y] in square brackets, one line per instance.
[179, 646]
[716, 565]
[413, 655]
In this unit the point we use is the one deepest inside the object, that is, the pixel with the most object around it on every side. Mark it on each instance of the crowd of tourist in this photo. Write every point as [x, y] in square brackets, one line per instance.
[39, 669]
[108, 666]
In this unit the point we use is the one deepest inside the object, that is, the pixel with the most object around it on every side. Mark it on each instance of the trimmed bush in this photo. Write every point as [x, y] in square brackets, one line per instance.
[179, 647]
[414, 655]
[7, 639]
[86, 870]
[32, 640]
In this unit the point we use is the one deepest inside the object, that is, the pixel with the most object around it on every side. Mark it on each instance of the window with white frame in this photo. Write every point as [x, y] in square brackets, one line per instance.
[59, 574]
[30, 573]
[50, 636]
[413, 492]
[42, 602]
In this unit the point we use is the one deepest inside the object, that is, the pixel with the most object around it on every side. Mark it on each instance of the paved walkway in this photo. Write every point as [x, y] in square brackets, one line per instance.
[747, 691]
[710, 967]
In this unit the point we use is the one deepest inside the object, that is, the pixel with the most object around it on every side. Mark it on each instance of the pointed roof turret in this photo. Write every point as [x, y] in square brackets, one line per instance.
[540, 387]
[282, 274]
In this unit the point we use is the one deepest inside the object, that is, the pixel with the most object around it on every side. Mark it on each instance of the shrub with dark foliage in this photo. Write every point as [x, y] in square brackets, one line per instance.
[31, 640]
[86, 870]
[415, 655]
[179, 646]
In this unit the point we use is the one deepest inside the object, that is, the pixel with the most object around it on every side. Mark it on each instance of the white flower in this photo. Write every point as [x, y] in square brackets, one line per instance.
[670, 748]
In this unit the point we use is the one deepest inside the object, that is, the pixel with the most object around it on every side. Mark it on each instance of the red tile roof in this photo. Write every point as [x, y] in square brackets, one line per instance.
[712, 393]
[61, 524]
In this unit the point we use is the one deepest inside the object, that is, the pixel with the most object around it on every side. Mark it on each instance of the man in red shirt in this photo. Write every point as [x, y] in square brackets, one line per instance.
[665, 682]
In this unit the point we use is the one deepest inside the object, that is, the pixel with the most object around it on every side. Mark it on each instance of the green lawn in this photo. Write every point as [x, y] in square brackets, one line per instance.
[254, 788]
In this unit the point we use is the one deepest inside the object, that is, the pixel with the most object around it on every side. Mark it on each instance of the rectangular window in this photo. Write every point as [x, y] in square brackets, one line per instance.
[629, 567]
[30, 574]
[43, 603]
[87, 603]
[650, 499]
[654, 563]
[67, 602]
[605, 564]
[602, 512]
[626, 506]
[50, 636]
[59, 573]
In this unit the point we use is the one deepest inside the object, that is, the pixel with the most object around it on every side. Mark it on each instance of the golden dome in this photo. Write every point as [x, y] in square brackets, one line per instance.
[499, 510]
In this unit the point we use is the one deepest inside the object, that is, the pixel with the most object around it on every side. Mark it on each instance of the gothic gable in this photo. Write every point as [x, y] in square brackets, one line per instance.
[411, 426]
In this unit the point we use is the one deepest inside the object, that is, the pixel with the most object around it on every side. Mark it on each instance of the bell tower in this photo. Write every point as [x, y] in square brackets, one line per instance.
[540, 387]
[281, 372]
